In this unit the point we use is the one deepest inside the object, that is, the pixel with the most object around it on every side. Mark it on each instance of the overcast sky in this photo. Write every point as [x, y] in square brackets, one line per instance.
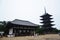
[29, 10]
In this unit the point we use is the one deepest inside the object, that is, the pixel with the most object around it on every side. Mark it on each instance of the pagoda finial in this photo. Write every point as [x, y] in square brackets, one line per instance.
[45, 10]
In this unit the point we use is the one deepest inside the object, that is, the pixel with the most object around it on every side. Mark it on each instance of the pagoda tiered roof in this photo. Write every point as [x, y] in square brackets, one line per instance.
[47, 19]
[47, 22]
[46, 14]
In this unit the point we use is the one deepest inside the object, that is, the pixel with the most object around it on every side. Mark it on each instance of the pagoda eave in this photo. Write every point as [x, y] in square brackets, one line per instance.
[49, 25]
[44, 19]
[47, 21]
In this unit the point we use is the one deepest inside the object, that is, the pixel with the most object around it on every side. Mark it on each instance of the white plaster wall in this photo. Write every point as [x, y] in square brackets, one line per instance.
[11, 31]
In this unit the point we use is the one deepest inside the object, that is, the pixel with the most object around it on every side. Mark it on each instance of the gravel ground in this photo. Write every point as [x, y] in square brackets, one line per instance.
[40, 37]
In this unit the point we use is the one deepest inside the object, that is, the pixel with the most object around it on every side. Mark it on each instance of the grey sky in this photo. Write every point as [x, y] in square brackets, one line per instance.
[29, 10]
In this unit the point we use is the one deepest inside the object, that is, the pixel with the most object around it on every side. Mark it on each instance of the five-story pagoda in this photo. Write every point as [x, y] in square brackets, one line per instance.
[47, 26]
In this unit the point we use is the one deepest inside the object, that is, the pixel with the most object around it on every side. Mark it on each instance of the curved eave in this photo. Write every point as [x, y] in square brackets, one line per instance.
[45, 15]
[49, 25]
[47, 22]
[45, 19]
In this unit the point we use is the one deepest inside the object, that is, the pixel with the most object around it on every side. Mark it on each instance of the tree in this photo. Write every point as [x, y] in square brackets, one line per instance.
[2, 25]
[39, 30]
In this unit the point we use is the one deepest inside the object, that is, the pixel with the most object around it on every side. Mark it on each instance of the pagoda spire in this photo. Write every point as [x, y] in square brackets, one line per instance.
[45, 10]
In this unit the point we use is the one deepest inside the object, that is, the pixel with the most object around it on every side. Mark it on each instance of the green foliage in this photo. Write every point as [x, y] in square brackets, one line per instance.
[39, 30]
[58, 31]
[55, 30]
[2, 26]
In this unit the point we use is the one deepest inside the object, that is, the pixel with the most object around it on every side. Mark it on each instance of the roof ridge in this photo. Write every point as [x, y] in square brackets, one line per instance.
[20, 20]
[23, 22]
